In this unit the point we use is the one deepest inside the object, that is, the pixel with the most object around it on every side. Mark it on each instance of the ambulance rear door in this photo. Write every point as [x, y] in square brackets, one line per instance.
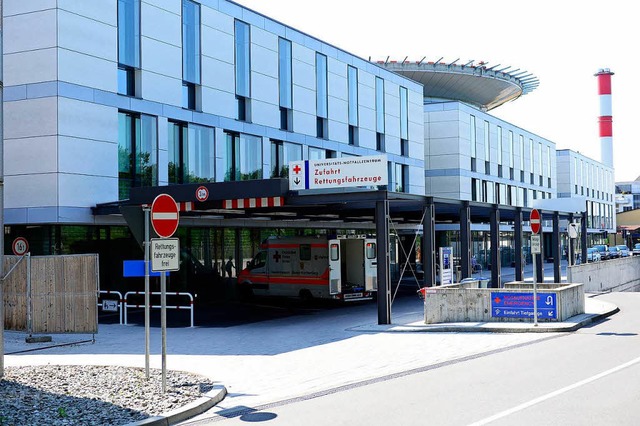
[370, 265]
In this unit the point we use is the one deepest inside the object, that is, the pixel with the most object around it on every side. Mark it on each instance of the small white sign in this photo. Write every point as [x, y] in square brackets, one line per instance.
[338, 172]
[165, 254]
[110, 305]
[535, 244]
[572, 229]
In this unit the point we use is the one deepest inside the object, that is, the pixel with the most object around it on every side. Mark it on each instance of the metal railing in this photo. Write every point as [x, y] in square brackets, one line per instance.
[114, 293]
[126, 303]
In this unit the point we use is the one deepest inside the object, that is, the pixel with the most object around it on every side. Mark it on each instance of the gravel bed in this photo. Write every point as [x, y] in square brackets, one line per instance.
[92, 395]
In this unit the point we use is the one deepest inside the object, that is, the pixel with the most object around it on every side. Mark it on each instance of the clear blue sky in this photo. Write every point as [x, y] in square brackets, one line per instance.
[563, 43]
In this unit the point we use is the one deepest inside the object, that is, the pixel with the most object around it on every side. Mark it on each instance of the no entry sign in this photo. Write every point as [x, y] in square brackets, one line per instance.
[535, 221]
[164, 215]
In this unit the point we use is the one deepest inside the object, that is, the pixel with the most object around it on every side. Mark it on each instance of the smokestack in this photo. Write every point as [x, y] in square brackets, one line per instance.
[605, 121]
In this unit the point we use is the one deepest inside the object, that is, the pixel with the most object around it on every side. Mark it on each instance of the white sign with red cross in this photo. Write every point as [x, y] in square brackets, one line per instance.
[297, 175]
[164, 215]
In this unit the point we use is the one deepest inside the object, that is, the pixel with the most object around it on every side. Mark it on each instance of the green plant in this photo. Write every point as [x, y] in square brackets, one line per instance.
[3, 420]
[62, 412]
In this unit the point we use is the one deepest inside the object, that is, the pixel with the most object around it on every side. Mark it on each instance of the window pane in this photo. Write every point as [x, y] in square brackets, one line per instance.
[199, 159]
[147, 164]
[472, 135]
[404, 117]
[284, 68]
[487, 142]
[499, 145]
[250, 152]
[174, 153]
[129, 32]
[125, 158]
[242, 58]
[321, 85]
[316, 154]
[190, 41]
[231, 154]
[352, 83]
[379, 105]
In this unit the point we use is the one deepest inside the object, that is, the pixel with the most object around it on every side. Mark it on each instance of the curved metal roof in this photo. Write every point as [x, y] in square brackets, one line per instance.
[476, 84]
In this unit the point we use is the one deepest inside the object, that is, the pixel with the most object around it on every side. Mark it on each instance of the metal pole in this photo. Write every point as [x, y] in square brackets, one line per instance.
[535, 290]
[1, 207]
[147, 297]
[163, 325]
[29, 298]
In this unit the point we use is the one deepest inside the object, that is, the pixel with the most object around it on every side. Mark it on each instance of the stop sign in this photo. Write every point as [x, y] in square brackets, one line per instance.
[534, 219]
[164, 215]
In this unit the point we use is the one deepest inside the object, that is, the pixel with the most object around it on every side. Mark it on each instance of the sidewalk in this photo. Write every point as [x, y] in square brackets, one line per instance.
[265, 362]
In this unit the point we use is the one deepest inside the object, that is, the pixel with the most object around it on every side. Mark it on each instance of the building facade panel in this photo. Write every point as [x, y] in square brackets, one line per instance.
[30, 67]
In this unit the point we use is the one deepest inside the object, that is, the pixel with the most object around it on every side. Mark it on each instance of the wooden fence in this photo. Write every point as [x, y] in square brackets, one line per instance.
[51, 294]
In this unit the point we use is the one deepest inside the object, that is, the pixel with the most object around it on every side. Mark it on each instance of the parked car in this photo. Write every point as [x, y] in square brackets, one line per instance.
[615, 252]
[603, 250]
[636, 249]
[624, 250]
[593, 255]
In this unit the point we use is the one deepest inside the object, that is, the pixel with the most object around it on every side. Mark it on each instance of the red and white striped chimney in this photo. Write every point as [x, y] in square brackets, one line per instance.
[605, 121]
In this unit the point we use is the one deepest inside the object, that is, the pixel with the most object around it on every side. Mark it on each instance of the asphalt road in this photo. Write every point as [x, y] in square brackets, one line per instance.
[588, 377]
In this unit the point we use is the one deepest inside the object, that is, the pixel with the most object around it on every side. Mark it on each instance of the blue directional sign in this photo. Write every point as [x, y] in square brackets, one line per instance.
[520, 305]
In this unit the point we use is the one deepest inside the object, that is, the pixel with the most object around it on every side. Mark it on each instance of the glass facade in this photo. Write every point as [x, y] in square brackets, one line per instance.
[137, 152]
[282, 153]
[243, 59]
[352, 86]
[473, 136]
[128, 45]
[380, 105]
[243, 157]
[322, 94]
[191, 156]
[285, 81]
[190, 41]
[404, 113]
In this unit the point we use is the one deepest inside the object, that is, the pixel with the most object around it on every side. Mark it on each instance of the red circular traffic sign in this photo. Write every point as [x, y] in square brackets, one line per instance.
[164, 215]
[534, 219]
[202, 193]
[20, 246]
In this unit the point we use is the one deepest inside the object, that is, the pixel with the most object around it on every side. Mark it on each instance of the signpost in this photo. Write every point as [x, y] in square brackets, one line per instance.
[534, 220]
[166, 257]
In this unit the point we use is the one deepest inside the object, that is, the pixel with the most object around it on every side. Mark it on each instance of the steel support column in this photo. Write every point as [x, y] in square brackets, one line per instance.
[494, 229]
[556, 250]
[583, 237]
[382, 237]
[429, 244]
[571, 252]
[465, 240]
[517, 234]
[540, 261]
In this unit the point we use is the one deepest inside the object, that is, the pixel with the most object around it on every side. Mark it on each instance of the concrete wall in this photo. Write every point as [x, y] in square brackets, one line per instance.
[612, 275]
[455, 303]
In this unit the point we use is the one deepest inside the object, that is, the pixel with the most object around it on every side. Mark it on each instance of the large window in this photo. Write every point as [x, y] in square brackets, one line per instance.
[128, 45]
[137, 152]
[285, 83]
[380, 142]
[511, 149]
[191, 156]
[243, 68]
[244, 157]
[473, 141]
[487, 142]
[322, 96]
[282, 153]
[190, 52]
[404, 113]
[400, 177]
[352, 85]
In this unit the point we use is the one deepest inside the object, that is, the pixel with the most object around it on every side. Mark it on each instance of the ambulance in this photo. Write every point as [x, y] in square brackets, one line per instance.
[342, 268]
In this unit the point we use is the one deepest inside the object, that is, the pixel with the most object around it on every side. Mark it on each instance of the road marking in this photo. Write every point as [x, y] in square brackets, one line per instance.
[554, 394]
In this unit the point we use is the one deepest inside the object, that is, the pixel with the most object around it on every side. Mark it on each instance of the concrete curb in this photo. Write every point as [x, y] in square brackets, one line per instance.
[199, 406]
[573, 324]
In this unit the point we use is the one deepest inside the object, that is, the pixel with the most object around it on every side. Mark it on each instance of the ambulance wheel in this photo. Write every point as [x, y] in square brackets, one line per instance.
[245, 293]
[306, 296]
